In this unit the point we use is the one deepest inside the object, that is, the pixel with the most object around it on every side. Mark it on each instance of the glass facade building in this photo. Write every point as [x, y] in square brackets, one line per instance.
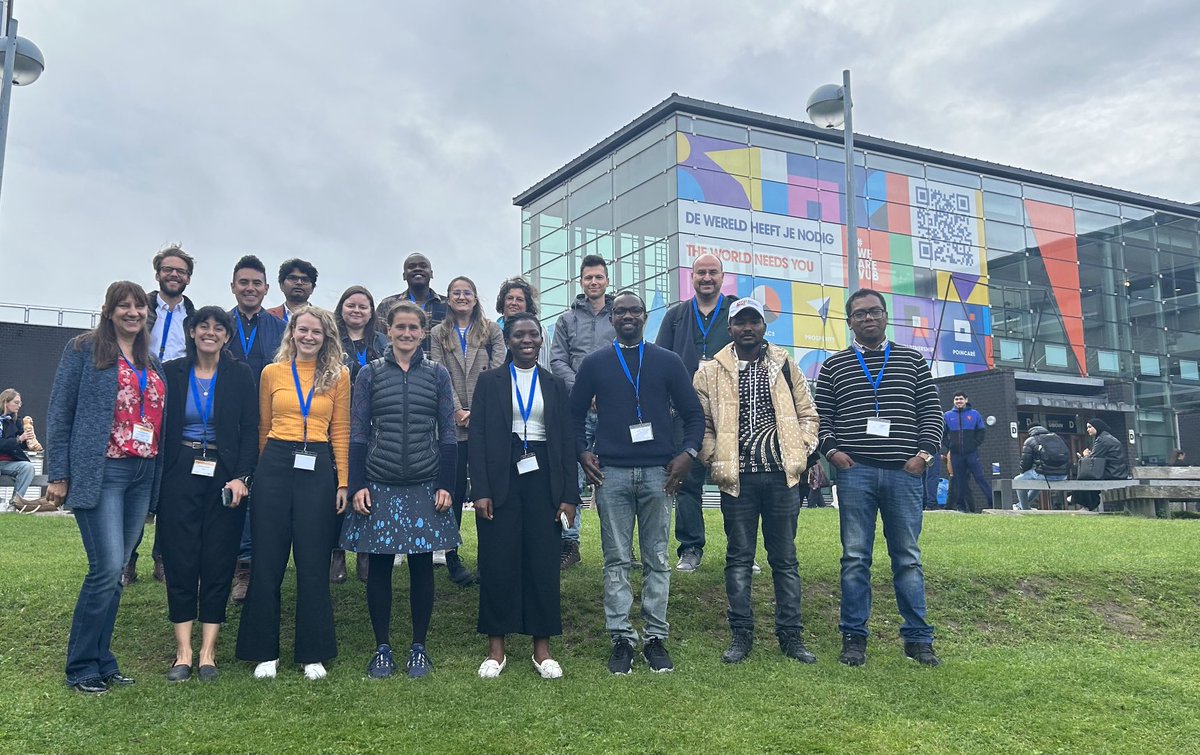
[984, 266]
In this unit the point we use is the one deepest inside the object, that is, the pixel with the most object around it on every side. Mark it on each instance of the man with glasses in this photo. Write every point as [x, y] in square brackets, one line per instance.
[880, 426]
[637, 469]
[418, 272]
[297, 281]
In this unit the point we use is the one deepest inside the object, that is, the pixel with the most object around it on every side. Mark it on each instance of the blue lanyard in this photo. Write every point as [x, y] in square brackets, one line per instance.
[204, 409]
[878, 379]
[142, 376]
[247, 343]
[361, 355]
[462, 337]
[162, 345]
[635, 382]
[304, 405]
[700, 321]
[286, 314]
[525, 410]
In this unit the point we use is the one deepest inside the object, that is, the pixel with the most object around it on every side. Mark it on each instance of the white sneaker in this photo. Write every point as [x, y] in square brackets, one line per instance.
[439, 558]
[399, 559]
[314, 671]
[266, 669]
[755, 568]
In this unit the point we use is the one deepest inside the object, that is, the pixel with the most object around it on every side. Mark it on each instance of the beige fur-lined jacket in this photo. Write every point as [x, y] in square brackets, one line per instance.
[716, 384]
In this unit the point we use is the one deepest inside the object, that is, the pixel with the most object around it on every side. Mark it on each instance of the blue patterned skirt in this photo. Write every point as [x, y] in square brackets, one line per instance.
[402, 520]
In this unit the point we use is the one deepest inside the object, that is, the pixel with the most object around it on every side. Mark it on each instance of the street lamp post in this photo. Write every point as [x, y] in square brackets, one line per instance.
[829, 106]
[23, 64]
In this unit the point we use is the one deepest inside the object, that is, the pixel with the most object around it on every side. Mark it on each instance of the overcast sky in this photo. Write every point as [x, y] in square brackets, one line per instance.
[351, 133]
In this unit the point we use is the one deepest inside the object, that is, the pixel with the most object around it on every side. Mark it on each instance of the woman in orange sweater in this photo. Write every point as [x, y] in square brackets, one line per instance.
[304, 430]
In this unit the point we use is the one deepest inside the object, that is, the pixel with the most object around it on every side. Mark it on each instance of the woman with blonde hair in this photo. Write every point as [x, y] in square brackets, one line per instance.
[466, 344]
[304, 430]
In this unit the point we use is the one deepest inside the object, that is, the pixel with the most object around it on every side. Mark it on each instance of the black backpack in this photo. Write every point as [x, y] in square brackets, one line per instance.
[1052, 455]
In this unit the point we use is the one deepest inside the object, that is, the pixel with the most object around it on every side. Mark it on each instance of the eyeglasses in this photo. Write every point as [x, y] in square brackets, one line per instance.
[623, 311]
[298, 279]
[462, 293]
[875, 313]
[167, 270]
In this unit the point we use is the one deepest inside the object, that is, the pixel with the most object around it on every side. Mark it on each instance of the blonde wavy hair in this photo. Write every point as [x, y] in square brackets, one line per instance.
[329, 358]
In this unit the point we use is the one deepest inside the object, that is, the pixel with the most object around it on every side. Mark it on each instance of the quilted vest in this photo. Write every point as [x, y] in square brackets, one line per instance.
[403, 444]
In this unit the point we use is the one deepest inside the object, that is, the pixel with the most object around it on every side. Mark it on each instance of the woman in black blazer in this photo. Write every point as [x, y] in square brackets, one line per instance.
[210, 447]
[522, 463]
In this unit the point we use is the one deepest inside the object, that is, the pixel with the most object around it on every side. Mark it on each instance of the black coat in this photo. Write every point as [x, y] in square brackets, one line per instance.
[490, 443]
[1105, 446]
[235, 412]
[12, 427]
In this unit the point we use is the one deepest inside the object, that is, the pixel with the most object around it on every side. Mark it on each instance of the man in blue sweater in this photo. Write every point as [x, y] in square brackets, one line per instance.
[637, 469]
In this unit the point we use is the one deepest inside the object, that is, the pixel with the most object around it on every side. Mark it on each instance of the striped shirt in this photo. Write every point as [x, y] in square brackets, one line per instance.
[907, 397]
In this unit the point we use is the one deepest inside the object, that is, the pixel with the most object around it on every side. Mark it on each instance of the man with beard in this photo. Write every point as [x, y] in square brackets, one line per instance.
[418, 272]
[297, 281]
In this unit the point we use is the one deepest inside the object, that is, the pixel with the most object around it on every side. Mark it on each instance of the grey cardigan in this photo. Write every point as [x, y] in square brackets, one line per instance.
[79, 423]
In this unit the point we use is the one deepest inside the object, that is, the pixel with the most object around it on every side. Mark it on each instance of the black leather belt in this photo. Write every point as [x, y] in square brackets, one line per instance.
[197, 445]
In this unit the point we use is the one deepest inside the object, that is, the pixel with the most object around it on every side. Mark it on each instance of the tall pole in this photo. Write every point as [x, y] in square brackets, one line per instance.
[10, 57]
[851, 226]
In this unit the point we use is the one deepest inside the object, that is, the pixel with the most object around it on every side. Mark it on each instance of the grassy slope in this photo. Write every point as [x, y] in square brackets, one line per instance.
[1059, 634]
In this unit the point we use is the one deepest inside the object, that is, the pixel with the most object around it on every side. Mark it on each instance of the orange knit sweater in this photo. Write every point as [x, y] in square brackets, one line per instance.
[328, 419]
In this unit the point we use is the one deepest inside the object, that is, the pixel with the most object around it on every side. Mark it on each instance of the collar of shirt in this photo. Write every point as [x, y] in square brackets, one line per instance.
[882, 345]
[162, 305]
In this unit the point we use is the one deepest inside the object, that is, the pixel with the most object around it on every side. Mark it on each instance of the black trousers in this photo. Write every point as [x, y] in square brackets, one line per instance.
[294, 511]
[519, 554]
[199, 539]
[459, 494]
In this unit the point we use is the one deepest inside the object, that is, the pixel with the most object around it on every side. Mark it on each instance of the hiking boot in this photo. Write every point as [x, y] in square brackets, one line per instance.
[922, 653]
[241, 582]
[418, 665]
[129, 573]
[160, 573]
[792, 645]
[459, 574]
[362, 563]
[337, 566]
[570, 555]
[854, 650]
[739, 647]
[657, 656]
[382, 665]
[689, 559]
[620, 660]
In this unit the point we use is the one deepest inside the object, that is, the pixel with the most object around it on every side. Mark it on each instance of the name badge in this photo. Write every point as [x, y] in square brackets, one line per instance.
[204, 467]
[879, 426]
[143, 432]
[526, 464]
[641, 432]
[306, 460]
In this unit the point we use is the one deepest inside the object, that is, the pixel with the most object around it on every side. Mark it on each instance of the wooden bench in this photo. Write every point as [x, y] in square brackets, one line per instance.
[1157, 488]
[1003, 498]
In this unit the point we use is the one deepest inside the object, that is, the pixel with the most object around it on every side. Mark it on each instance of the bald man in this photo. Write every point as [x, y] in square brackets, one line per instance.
[696, 329]
[418, 272]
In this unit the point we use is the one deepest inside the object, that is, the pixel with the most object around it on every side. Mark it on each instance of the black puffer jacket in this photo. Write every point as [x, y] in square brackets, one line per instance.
[403, 445]
[1045, 453]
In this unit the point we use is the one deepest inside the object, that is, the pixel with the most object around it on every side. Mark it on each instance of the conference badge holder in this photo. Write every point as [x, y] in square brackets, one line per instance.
[204, 467]
[527, 463]
[143, 432]
[879, 426]
[306, 460]
[642, 432]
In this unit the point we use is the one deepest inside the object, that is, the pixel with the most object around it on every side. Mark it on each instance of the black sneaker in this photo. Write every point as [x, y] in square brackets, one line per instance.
[792, 645]
[382, 664]
[620, 661]
[854, 650]
[922, 653]
[459, 574]
[657, 656]
[739, 646]
[418, 664]
[570, 555]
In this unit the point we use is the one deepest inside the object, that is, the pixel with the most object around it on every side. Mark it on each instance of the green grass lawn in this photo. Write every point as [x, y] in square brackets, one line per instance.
[1058, 634]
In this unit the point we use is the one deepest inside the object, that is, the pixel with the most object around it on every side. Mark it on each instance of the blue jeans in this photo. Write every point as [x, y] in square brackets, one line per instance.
[21, 472]
[932, 474]
[1026, 497]
[109, 532]
[964, 466]
[632, 494]
[766, 496]
[895, 495]
[589, 434]
[689, 509]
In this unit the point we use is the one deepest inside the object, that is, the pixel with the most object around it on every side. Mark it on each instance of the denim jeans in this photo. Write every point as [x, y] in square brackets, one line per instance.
[895, 495]
[1026, 497]
[589, 434]
[932, 475]
[22, 474]
[766, 496]
[632, 494]
[108, 531]
[689, 510]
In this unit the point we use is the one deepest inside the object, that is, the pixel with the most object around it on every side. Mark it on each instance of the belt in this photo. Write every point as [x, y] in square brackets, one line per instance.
[197, 445]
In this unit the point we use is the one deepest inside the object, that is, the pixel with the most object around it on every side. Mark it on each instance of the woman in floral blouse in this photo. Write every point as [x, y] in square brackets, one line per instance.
[103, 429]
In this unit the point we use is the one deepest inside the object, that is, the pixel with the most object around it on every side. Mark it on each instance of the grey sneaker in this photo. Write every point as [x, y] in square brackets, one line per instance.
[854, 650]
[922, 653]
[792, 645]
[657, 656]
[689, 560]
[620, 660]
[739, 646]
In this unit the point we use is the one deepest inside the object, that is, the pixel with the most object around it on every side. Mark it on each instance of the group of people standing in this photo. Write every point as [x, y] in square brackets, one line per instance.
[358, 430]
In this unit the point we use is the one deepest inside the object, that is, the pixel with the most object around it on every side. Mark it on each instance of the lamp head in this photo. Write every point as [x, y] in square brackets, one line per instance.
[28, 63]
[826, 106]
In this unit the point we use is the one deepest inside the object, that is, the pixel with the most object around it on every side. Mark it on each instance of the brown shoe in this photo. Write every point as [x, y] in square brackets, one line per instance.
[361, 563]
[26, 506]
[129, 573]
[570, 554]
[241, 582]
[160, 574]
[337, 566]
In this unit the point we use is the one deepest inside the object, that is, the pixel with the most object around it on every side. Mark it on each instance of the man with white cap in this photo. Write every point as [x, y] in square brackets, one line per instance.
[760, 425]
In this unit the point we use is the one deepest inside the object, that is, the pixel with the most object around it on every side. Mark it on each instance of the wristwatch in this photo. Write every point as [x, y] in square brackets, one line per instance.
[925, 457]
[691, 452]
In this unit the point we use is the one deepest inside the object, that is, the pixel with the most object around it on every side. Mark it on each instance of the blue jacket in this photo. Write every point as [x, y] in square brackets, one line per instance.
[79, 423]
[266, 342]
[964, 431]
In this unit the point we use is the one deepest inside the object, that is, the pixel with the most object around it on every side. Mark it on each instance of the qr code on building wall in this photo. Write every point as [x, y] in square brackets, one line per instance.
[944, 225]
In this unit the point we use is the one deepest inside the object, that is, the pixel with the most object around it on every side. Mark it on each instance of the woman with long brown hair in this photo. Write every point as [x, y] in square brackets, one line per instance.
[102, 438]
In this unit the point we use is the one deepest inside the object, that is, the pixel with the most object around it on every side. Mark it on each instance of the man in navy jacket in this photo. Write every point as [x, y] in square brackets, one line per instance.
[962, 437]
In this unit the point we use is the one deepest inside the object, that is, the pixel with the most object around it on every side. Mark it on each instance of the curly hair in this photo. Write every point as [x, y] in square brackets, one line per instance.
[329, 359]
[525, 286]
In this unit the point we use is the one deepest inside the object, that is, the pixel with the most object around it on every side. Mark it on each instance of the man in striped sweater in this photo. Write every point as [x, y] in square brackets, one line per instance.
[880, 427]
